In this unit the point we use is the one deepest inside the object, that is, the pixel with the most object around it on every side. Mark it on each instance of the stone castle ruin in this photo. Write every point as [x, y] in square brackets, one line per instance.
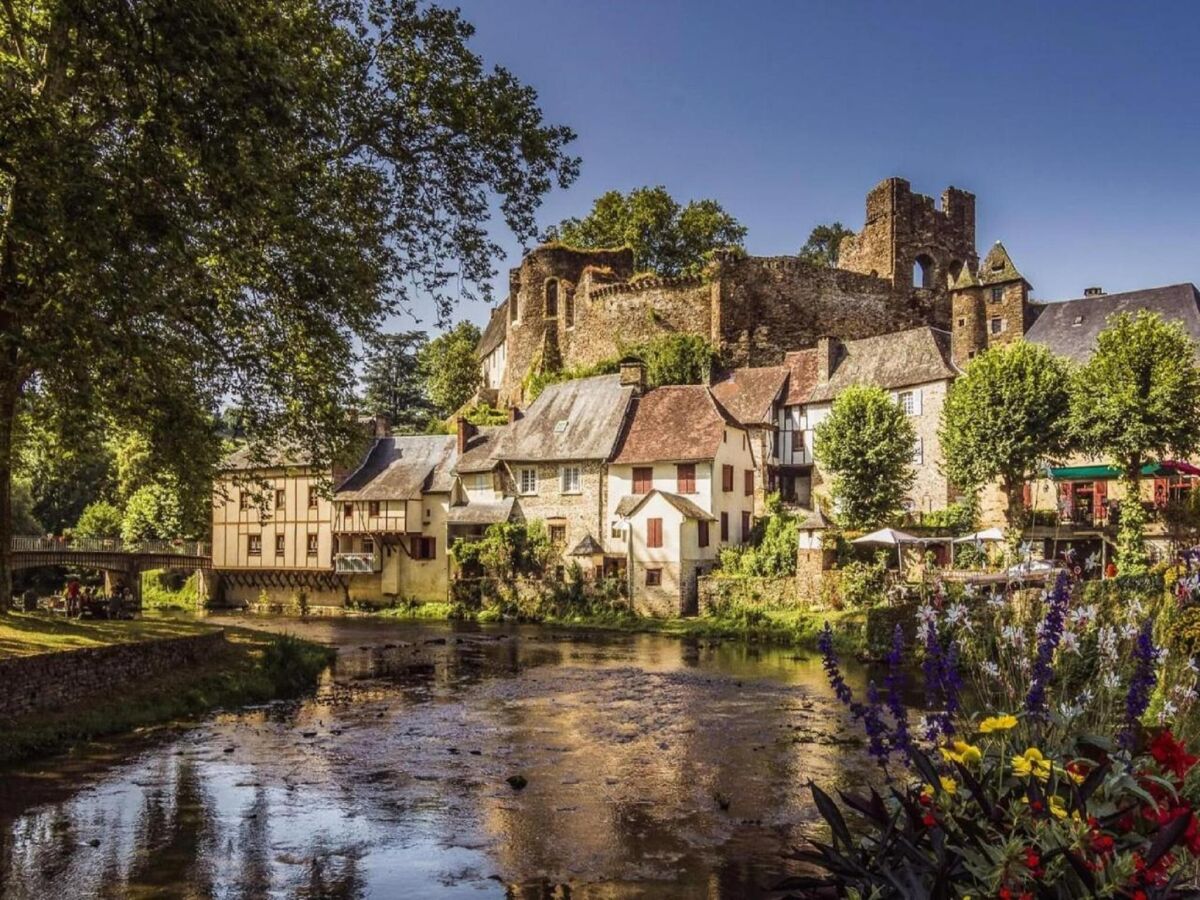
[572, 308]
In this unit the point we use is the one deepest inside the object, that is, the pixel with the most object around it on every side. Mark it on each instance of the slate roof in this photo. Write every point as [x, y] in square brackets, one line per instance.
[494, 332]
[576, 419]
[631, 504]
[241, 460]
[816, 520]
[587, 547]
[1056, 328]
[895, 360]
[749, 394]
[802, 377]
[400, 468]
[481, 513]
[480, 455]
[681, 422]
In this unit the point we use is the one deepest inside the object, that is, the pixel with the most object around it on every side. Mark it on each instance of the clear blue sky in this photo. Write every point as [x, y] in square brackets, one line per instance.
[1076, 125]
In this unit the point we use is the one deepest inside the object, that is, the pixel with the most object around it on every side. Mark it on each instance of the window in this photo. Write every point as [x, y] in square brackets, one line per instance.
[618, 531]
[280, 544]
[280, 498]
[749, 479]
[653, 577]
[558, 535]
[373, 507]
[312, 544]
[347, 510]
[254, 544]
[425, 548]
[907, 402]
[745, 526]
[551, 298]
[643, 479]
[918, 455]
[997, 294]
[312, 498]
[962, 323]
[243, 499]
[724, 526]
[368, 545]
[529, 481]
[569, 477]
[997, 325]
[727, 478]
[481, 482]
[685, 478]
[702, 533]
[569, 309]
[923, 268]
[654, 533]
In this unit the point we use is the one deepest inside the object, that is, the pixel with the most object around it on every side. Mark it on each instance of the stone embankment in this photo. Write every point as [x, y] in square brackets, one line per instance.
[47, 682]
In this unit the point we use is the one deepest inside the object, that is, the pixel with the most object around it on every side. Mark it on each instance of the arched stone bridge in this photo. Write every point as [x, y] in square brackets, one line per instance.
[117, 559]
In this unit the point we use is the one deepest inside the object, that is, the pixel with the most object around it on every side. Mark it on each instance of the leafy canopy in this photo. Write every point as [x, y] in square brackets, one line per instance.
[666, 237]
[1006, 418]
[450, 369]
[100, 519]
[209, 202]
[866, 442]
[772, 550]
[393, 384]
[824, 243]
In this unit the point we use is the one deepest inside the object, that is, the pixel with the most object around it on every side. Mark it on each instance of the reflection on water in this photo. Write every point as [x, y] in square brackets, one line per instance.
[654, 768]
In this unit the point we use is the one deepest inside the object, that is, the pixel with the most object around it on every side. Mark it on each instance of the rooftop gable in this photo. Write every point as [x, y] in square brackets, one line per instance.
[682, 423]
[577, 419]
[997, 267]
[889, 361]
[400, 468]
[749, 394]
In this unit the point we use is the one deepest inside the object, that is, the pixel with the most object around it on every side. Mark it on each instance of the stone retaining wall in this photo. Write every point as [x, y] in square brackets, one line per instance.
[775, 593]
[50, 681]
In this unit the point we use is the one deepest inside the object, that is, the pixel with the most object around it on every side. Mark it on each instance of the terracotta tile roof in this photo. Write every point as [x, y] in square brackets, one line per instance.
[802, 377]
[494, 332]
[899, 359]
[1070, 327]
[630, 505]
[681, 422]
[577, 419]
[750, 394]
[400, 468]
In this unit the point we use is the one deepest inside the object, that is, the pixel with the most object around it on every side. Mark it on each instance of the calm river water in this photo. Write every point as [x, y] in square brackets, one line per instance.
[655, 767]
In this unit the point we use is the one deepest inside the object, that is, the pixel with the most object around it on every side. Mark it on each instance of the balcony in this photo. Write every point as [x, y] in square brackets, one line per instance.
[357, 563]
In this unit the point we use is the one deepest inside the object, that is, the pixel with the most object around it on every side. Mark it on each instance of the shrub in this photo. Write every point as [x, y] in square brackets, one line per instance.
[863, 583]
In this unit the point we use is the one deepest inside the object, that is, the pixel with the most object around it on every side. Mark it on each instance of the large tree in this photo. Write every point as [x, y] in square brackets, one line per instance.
[451, 369]
[866, 442]
[824, 243]
[392, 381]
[1137, 400]
[210, 201]
[667, 237]
[1005, 419]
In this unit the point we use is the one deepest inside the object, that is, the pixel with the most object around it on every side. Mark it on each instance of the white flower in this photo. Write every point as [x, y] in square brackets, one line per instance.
[1107, 643]
[956, 613]
[1191, 664]
[1168, 712]
[1129, 631]
[990, 668]
[1013, 635]
[1069, 642]
[1111, 680]
[927, 614]
[1092, 562]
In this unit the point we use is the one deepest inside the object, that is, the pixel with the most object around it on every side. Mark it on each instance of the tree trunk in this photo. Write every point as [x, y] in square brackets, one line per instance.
[1014, 491]
[8, 421]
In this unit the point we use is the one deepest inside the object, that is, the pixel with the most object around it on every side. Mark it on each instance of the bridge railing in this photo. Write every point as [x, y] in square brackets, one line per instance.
[29, 544]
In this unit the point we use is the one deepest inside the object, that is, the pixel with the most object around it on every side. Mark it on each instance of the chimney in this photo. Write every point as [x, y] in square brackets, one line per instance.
[828, 351]
[1093, 292]
[633, 374]
[465, 431]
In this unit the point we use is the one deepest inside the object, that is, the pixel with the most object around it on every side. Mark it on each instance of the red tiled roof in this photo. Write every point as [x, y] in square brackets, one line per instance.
[802, 365]
[681, 422]
[749, 394]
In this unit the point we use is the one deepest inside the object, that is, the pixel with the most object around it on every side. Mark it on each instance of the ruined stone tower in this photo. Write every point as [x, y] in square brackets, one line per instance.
[989, 306]
[919, 248]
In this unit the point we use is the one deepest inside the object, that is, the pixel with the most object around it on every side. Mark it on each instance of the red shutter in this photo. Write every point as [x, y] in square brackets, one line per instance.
[702, 533]
[654, 532]
[1066, 502]
[749, 482]
[1101, 494]
[1162, 491]
[745, 527]
[727, 478]
[643, 479]
[685, 478]
[724, 526]
[1027, 495]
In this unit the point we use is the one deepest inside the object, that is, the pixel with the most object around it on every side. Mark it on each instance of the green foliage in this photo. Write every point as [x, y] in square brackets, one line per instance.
[771, 552]
[666, 237]
[210, 203]
[23, 519]
[506, 551]
[866, 442]
[63, 471]
[1005, 419]
[485, 414]
[1131, 533]
[863, 584]
[100, 519]
[1138, 398]
[676, 359]
[960, 517]
[393, 381]
[163, 589]
[539, 378]
[824, 243]
[152, 513]
[450, 369]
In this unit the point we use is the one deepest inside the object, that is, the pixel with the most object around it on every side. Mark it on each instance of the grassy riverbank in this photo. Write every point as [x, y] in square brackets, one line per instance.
[251, 667]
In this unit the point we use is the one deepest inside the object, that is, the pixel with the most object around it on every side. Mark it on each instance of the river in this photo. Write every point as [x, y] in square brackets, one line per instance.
[653, 767]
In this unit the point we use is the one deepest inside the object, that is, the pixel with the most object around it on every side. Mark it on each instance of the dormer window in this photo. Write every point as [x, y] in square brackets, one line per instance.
[1078, 321]
[552, 298]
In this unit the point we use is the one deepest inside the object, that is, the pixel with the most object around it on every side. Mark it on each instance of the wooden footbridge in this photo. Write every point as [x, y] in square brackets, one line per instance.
[118, 560]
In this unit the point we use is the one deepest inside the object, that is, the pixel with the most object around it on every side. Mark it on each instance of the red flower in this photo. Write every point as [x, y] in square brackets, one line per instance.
[928, 820]
[1031, 858]
[1171, 755]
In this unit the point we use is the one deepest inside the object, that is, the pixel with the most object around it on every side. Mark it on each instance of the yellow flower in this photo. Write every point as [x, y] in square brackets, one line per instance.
[1056, 808]
[962, 752]
[997, 723]
[1031, 762]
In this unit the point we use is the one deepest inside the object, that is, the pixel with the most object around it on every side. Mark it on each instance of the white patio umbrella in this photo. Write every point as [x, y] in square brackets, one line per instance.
[888, 537]
[988, 534]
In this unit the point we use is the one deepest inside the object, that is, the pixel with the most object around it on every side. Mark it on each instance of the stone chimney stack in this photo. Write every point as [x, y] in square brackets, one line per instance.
[633, 374]
[1093, 292]
[465, 431]
[828, 350]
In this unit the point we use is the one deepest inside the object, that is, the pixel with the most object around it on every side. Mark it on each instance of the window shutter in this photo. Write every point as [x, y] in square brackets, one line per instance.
[1100, 496]
[916, 401]
[654, 532]
[702, 533]
[749, 482]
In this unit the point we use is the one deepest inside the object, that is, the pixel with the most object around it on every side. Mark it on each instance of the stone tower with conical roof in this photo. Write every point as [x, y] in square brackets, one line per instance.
[989, 306]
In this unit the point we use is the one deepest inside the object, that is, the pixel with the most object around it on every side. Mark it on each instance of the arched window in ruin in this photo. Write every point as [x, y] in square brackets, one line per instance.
[569, 309]
[923, 271]
[552, 298]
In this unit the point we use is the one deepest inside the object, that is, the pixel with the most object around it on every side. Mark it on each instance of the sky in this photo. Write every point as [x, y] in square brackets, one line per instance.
[1076, 125]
